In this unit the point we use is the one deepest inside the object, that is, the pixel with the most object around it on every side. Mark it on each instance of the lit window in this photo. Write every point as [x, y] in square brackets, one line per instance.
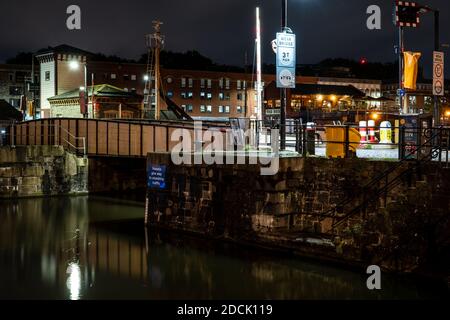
[220, 109]
[113, 76]
[227, 83]
[202, 95]
[190, 95]
[202, 83]
[239, 109]
[227, 109]
[189, 108]
[209, 96]
[133, 77]
[221, 83]
[191, 82]
[221, 96]
[184, 95]
[239, 84]
[183, 82]
[209, 82]
[202, 109]
[209, 109]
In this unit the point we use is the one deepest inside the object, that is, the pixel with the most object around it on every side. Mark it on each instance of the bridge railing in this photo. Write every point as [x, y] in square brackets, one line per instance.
[98, 137]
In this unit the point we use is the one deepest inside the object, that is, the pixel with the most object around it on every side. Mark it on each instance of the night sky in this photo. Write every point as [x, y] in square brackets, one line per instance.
[220, 29]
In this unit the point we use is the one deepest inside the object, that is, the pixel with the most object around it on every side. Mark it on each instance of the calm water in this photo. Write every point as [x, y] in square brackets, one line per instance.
[90, 248]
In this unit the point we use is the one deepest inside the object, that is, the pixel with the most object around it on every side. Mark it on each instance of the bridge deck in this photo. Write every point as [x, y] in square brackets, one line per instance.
[95, 137]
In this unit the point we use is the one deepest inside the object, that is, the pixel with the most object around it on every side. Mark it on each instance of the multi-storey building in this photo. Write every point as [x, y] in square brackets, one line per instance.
[202, 94]
[15, 82]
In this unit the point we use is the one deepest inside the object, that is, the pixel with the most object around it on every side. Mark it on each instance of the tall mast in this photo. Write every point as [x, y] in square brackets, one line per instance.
[258, 67]
[155, 43]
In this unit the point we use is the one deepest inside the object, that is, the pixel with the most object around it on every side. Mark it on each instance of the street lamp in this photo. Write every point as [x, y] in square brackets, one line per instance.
[74, 65]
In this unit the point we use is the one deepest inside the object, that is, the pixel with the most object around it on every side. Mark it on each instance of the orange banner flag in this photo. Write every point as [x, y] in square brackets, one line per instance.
[411, 67]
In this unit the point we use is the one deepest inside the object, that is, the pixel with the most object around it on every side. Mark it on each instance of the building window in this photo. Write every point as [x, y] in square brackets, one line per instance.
[209, 96]
[126, 77]
[227, 96]
[190, 95]
[209, 109]
[240, 96]
[169, 80]
[133, 77]
[227, 84]
[184, 95]
[239, 109]
[170, 94]
[187, 108]
[125, 89]
[47, 75]
[221, 96]
[239, 84]
[113, 76]
[133, 90]
[220, 109]
[15, 91]
[191, 82]
[202, 109]
[11, 77]
[202, 83]
[14, 102]
[202, 95]
[227, 109]
[209, 83]
[221, 83]
[183, 82]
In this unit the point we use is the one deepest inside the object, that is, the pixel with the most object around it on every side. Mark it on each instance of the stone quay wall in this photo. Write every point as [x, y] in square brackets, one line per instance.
[33, 171]
[406, 229]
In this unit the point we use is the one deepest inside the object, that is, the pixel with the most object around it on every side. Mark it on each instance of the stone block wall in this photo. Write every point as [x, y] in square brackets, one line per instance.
[41, 171]
[303, 201]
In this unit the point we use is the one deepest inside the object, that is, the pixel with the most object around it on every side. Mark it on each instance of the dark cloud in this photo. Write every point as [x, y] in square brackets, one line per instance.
[221, 29]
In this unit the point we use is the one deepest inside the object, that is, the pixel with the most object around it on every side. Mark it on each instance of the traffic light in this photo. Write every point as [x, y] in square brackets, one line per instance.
[83, 108]
[23, 103]
[411, 68]
[407, 14]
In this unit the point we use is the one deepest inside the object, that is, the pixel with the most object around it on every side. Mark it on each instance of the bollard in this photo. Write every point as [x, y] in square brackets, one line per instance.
[363, 131]
[371, 125]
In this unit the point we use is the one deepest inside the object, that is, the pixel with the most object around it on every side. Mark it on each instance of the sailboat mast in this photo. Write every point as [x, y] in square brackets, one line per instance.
[258, 67]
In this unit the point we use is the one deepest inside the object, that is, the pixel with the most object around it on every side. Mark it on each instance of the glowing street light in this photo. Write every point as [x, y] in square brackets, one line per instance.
[74, 65]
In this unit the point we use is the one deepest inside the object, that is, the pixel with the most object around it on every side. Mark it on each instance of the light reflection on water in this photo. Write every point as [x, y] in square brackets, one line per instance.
[68, 248]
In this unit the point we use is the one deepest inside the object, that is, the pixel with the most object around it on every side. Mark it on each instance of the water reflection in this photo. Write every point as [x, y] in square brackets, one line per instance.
[65, 248]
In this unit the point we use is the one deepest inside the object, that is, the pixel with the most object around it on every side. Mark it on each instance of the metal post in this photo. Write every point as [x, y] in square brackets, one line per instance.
[86, 96]
[283, 91]
[401, 48]
[437, 47]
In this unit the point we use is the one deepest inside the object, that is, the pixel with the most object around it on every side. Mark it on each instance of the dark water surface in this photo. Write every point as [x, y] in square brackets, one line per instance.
[97, 248]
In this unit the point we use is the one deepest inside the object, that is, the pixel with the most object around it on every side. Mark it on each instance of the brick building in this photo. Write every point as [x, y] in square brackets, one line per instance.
[14, 81]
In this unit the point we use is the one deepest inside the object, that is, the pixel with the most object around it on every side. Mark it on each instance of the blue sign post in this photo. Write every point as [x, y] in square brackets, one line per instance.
[156, 177]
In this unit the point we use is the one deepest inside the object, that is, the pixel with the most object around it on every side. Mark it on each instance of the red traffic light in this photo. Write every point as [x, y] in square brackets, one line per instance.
[363, 61]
